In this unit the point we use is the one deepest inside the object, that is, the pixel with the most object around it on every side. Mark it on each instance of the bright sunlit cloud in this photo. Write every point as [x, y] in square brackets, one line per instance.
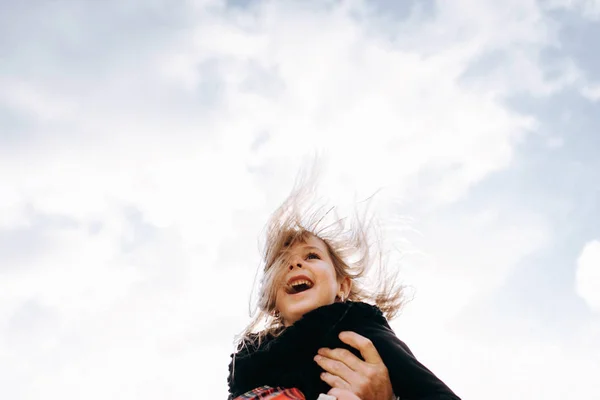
[588, 274]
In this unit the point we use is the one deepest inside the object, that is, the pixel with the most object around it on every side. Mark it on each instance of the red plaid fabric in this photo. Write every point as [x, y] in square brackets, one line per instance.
[271, 393]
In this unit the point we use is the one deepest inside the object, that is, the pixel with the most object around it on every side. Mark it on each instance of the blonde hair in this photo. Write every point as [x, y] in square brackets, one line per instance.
[353, 246]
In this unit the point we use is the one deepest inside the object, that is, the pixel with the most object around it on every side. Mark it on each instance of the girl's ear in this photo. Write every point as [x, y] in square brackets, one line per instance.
[345, 286]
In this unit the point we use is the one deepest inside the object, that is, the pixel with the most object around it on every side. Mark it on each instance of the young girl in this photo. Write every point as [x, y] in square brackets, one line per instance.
[313, 288]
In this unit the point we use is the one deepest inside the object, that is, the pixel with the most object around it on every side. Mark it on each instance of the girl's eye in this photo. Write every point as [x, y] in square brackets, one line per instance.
[312, 256]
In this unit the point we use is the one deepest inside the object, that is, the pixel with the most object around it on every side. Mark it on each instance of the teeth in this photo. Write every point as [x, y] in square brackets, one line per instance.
[301, 282]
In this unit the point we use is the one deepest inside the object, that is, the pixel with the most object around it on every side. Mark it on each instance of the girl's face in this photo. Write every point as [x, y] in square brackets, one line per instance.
[310, 281]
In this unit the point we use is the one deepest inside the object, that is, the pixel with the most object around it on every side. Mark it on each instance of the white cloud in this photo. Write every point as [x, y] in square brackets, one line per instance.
[588, 274]
[591, 92]
[465, 256]
[515, 365]
[145, 306]
[588, 8]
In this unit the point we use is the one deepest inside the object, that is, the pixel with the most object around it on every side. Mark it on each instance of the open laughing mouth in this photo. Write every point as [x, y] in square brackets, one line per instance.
[298, 284]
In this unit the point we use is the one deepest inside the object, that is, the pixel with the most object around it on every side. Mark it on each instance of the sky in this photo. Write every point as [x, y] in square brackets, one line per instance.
[144, 144]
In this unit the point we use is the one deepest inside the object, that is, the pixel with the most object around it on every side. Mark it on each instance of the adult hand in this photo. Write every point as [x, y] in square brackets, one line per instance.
[368, 380]
[343, 394]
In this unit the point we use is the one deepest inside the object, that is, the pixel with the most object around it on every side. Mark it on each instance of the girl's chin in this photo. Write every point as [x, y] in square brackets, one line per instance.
[300, 308]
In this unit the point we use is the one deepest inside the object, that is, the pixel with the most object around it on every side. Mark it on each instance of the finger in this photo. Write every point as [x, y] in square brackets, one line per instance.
[342, 394]
[337, 368]
[344, 356]
[362, 344]
[334, 381]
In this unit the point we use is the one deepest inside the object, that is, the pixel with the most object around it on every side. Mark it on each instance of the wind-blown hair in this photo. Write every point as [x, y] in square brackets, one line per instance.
[354, 246]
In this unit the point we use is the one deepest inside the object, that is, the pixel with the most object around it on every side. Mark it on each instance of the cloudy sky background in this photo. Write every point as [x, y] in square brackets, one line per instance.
[143, 145]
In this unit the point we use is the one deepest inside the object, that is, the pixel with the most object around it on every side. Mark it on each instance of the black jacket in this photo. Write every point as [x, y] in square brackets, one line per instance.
[287, 360]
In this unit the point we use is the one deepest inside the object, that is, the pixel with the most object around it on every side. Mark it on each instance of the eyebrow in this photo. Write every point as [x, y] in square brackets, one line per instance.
[312, 247]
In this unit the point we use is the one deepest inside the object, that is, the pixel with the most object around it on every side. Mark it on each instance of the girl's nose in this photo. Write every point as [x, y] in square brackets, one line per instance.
[297, 265]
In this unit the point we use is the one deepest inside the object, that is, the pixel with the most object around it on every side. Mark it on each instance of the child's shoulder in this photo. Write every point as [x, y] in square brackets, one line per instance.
[354, 312]
[252, 342]
[345, 309]
[360, 309]
[355, 316]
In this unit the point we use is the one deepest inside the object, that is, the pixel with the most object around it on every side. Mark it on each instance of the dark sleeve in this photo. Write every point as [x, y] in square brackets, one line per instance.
[410, 379]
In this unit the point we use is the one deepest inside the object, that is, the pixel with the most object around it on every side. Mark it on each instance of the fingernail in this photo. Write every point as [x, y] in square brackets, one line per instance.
[317, 358]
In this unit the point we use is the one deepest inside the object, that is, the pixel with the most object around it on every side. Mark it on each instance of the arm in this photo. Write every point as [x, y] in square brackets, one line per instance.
[371, 379]
[346, 373]
[410, 379]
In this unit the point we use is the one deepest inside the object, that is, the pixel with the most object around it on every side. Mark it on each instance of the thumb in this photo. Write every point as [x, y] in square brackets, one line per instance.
[342, 394]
